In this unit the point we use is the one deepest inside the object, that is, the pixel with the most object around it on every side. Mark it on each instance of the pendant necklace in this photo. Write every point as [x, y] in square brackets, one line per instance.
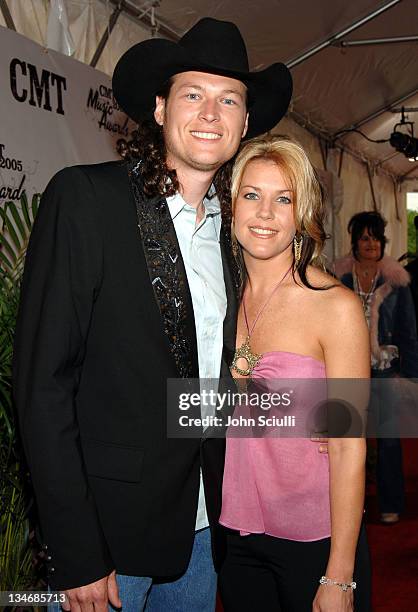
[244, 351]
[364, 295]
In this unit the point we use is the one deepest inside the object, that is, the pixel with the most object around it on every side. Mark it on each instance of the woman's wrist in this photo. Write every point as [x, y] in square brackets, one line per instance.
[340, 571]
[341, 584]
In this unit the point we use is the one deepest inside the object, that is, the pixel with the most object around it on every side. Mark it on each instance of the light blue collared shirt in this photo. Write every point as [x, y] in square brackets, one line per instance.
[201, 253]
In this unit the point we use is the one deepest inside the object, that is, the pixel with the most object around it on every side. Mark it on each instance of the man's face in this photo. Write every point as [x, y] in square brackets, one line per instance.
[204, 119]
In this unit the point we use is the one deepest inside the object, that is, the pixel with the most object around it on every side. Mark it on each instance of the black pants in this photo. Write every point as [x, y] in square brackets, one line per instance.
[384, 409]
[262, 573]
[390, 479]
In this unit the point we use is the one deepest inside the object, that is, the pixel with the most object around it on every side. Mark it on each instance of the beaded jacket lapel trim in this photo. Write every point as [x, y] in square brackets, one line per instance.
[167, 274]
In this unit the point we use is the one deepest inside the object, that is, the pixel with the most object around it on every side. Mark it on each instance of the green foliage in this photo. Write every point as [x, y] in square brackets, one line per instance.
[16, 567]
[412, 246]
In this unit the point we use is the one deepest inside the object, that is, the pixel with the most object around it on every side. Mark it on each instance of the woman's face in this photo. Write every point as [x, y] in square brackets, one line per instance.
[263, 216]
[368, 247]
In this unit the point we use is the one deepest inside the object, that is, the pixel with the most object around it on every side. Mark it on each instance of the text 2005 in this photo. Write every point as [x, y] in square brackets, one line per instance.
[9, 162]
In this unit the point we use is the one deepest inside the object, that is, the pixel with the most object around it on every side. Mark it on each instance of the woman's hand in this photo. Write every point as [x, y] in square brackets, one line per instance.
[331, 598]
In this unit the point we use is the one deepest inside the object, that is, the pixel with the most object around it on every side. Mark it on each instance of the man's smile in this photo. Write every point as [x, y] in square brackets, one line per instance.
[206, 135]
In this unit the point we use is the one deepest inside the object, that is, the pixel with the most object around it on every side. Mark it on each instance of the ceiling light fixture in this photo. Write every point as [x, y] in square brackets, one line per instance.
[403, 142]
[408, 145]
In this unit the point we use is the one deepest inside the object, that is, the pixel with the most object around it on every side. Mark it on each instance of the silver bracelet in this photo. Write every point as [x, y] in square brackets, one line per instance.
[343, 585]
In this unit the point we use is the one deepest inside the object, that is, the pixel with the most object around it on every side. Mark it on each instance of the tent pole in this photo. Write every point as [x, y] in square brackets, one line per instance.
[340, 165]
[329, 41]
[7, 16]
[143, 19]
[369, 176]
[380, 111]
[323, 147]
[388, 158]
[414, 167]
[395, 195]
[106, 34]
[375, 41]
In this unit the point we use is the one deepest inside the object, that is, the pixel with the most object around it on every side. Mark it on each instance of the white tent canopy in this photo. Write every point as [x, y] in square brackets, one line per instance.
[337, 84]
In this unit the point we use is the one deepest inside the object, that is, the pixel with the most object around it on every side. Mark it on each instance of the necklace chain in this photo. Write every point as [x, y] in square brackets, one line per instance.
[364, 298]
[244, 351]
[365, 271]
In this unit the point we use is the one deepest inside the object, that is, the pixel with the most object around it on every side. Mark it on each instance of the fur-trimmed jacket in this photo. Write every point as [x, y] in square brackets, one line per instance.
[392, 320]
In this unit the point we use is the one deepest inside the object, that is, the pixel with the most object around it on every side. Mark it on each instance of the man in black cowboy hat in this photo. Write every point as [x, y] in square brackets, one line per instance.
[126, 285]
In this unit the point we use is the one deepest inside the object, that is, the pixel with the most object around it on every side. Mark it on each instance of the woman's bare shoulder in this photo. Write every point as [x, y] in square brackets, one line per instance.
[334, 298]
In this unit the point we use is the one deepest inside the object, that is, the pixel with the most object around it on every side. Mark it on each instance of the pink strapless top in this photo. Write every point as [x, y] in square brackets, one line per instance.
[278, 486]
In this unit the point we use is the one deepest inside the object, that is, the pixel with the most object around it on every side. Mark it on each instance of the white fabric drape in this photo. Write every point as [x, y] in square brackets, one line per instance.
[58, 35]
[88, 20]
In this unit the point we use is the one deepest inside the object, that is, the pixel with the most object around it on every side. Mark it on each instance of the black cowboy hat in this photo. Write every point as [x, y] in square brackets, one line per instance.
[210, 46]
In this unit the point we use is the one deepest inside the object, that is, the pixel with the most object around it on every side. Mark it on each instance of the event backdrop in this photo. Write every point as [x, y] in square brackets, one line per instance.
[55, 112]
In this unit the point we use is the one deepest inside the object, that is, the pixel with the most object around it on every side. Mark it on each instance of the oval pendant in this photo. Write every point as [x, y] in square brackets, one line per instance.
[245, 352]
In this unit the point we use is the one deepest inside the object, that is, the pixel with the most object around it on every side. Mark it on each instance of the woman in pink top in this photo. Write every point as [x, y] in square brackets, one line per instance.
[293, 515]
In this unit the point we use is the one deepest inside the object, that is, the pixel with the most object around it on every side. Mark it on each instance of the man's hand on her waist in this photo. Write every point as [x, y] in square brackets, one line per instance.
[93, 597]
[323, 444]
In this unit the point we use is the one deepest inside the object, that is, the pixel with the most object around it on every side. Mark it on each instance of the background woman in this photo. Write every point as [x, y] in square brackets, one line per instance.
[292, 517]
[382, 284]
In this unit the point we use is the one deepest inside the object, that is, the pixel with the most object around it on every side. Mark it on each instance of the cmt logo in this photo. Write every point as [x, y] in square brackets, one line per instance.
[40, 89]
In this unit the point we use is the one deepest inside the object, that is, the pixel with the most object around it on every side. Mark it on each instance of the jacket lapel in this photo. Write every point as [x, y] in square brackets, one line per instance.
[167, 275]
[231, 279]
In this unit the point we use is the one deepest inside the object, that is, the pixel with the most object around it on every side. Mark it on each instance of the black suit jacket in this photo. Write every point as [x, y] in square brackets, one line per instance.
[105, 318]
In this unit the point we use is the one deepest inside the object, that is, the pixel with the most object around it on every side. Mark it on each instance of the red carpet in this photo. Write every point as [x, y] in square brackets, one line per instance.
[394, 549]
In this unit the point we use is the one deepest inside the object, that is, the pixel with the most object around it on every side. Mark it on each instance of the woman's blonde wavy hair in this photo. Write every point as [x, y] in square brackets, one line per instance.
[308, 197]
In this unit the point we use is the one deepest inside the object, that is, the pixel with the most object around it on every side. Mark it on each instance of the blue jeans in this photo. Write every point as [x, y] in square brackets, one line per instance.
[194, 591]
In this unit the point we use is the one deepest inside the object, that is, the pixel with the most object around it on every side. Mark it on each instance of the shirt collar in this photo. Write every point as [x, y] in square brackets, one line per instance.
[211, 202]
[212, 207]
[176, 203]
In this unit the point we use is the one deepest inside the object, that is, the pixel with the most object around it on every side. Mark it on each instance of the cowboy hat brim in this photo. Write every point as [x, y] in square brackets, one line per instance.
[145, 67]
